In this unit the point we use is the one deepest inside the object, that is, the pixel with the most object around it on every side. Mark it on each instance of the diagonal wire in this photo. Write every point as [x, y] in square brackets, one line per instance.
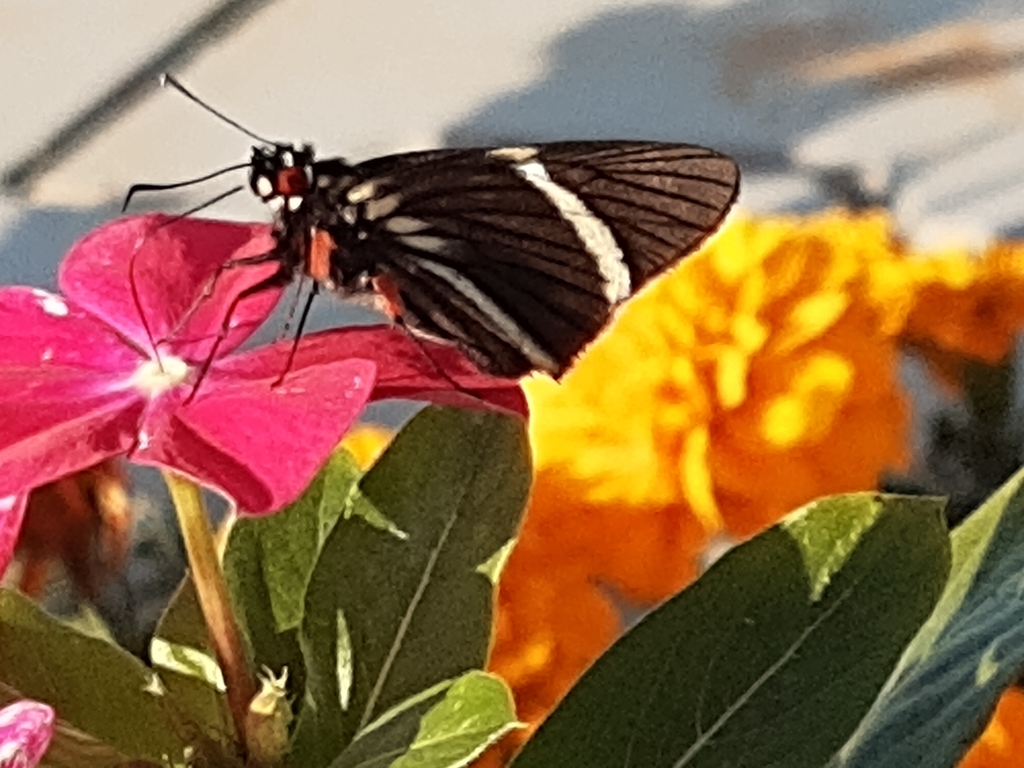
[218, 21]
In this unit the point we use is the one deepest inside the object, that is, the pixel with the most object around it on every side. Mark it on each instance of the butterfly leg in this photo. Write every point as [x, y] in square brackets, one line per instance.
[211, 285]
[298, 334]
[275, 280]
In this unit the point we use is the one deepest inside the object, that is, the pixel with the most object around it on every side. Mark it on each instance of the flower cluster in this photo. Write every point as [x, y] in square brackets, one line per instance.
[759, 375]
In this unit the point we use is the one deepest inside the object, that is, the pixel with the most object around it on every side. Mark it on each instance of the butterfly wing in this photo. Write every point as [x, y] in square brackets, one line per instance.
[520, 254]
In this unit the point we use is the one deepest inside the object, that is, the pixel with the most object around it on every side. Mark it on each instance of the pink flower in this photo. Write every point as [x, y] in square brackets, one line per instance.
[12, 510]
[108, 368]
[25, 731]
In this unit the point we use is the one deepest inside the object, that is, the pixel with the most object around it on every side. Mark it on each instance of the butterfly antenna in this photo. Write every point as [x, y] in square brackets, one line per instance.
[166, 79]
[212, 201]
[178, 184]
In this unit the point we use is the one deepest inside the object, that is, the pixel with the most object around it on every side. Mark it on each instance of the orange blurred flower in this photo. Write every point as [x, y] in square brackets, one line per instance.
[83, 521]
[1002, 743]
[769, 356]
[807, 399]
[965, 308]
[756, 377]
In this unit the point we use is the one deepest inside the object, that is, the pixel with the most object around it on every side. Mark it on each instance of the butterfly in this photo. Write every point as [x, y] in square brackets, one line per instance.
[517, 255]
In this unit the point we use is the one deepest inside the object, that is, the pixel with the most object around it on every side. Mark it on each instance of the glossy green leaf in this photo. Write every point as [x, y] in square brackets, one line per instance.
[772, 657]
[965, 656]
[280, 550]
[444, 727]
[476, 712]
[388, 617]
[269, 560]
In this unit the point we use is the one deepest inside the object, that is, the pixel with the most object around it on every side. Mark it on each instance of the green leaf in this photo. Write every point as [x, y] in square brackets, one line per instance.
[280, 550]
[445, 727]
[411, 612]
[268, 562]
[70, 748]
[94, 686]
[206, 705]
[965, 656]
[772, 657]
[476, 712]
[389, 737]
[182, 622]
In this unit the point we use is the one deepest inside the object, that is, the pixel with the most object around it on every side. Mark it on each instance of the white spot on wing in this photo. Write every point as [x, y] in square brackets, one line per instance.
[294, 203]
[597, 239]
[349, 214]
[505, 326]
[405, 225]
[428, 243]
[514, 154]
[381, 207]
[276, 204]
[362, 192]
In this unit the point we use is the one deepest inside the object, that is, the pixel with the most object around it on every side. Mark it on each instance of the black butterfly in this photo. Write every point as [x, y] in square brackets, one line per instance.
[517, 254]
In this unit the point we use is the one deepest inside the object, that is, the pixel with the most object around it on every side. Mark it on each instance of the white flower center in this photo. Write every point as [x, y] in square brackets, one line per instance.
[154, 377]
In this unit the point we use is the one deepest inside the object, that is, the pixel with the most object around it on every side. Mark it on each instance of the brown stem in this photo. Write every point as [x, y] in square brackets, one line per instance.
[212, 591]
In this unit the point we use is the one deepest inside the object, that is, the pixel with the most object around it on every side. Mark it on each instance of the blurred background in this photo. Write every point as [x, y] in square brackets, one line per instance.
[915, 106]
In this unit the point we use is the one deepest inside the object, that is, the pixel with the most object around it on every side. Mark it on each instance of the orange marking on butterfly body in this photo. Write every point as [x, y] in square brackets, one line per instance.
[318, 262]
[390, 298]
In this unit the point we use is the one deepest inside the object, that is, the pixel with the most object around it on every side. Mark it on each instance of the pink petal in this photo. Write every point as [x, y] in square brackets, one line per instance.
[65, 399]
[12, 511]
[55, 424]
[41, 331]
[147, 276]
[26, 728]
[259, 444]
[405, 370]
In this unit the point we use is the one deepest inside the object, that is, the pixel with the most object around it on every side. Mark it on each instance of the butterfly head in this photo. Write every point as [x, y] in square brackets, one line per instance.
[281, 175]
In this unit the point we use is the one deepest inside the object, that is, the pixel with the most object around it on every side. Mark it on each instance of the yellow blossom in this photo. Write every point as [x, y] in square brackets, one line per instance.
[753, 378]
[366, 442]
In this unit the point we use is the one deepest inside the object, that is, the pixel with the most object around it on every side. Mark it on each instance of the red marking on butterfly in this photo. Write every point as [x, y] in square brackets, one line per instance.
[291, 182]
[318, 259]
[387, 293]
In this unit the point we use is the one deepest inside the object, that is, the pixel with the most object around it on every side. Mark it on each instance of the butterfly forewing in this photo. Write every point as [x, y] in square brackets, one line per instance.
[520, 254]
[517, 254]
[661, 201]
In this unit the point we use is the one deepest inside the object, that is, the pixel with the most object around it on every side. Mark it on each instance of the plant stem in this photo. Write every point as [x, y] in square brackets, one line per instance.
[212, 591]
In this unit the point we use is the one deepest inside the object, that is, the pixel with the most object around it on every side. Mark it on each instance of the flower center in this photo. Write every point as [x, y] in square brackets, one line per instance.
[154, 377]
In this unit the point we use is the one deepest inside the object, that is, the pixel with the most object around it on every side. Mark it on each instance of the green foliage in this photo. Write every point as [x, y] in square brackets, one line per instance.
[96, 687]
[772, 657]
[837, 638]
[388, 616]
[970, 650]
